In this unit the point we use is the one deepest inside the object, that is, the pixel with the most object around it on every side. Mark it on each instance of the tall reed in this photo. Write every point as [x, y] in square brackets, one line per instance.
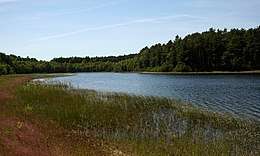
[146, 125]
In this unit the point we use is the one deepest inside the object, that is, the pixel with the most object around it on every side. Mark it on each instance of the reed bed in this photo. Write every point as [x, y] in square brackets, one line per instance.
[141, 125]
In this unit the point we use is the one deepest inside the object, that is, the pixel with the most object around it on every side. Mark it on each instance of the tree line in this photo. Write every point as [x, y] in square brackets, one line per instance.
[212, 50]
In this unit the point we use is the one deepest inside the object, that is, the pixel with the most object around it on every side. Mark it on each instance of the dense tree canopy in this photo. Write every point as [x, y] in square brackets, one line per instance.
[213, 50]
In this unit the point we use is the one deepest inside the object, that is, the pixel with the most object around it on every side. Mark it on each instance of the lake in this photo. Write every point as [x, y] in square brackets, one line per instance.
[236, 94]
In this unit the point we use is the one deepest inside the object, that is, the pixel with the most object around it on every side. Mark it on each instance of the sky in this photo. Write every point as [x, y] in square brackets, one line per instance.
[45, 29]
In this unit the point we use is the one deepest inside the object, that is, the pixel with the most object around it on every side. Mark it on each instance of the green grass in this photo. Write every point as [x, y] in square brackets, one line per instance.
[141, 125]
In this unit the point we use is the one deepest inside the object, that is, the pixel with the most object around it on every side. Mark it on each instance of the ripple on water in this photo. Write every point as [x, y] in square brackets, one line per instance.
[236, 94]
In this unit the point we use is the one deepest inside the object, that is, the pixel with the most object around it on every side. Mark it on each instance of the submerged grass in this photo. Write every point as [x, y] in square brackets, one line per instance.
[141, 125]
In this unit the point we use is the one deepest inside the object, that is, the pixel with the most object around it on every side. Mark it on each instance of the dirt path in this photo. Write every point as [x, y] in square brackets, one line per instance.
[22, 137]
[17, 136]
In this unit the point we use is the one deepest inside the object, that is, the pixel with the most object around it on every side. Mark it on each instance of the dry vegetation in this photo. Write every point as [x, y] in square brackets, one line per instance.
[83, 122]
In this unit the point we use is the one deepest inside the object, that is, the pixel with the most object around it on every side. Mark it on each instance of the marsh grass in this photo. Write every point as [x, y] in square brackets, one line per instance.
[143, 125]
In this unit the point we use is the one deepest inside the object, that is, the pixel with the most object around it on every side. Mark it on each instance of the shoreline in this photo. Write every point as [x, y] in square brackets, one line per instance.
[255, 72]
[113, 122]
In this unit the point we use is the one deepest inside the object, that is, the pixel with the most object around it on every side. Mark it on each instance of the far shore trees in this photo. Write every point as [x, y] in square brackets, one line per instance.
[213, 50]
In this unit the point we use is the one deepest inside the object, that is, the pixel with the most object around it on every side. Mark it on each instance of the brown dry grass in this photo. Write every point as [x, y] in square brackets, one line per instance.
[23, 136]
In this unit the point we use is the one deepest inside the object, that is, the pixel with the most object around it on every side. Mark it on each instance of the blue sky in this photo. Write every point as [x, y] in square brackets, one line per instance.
[51, 28]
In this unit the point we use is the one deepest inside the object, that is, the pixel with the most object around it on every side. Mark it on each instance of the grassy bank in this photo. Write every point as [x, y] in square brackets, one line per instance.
[23, 134]
[139, 125]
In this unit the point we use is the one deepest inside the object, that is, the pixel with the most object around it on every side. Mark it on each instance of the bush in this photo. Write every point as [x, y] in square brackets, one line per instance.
[182, 67]
[163, 68]
[3, 69]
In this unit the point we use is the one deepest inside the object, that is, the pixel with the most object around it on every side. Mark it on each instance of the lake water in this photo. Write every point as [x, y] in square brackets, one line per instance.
[236, 94]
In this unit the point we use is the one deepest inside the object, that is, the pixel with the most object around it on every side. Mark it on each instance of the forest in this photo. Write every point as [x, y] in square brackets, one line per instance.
[212, 50]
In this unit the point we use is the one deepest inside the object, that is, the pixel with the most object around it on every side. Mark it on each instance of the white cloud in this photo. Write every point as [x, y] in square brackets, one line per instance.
[87, 29]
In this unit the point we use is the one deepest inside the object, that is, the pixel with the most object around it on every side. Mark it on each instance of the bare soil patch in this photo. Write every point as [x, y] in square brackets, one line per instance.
[20, 136]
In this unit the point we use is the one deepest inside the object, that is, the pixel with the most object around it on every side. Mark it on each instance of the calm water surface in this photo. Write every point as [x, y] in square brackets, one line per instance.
[236, 94]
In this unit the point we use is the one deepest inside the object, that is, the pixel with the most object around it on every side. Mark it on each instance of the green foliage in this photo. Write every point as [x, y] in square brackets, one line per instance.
[213, 50]
[149, 125]
[3, 69]
[182, 67]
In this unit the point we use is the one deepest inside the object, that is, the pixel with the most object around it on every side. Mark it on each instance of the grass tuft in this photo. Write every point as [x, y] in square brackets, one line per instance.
[143, 125]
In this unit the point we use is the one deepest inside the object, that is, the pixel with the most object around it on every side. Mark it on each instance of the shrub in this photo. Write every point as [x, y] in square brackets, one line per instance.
[3, 69]
[182, 67]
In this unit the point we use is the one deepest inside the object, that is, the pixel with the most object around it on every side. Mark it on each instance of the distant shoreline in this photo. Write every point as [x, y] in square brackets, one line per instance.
[205, 73]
